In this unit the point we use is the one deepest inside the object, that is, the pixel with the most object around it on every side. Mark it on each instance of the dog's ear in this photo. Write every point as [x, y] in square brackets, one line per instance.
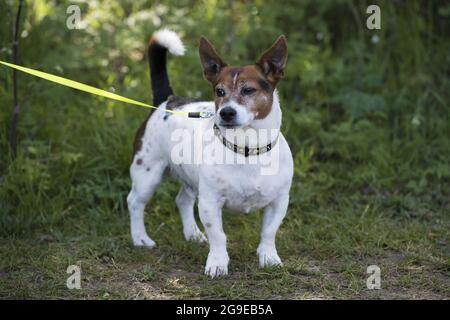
[273, 61]
[212, 63]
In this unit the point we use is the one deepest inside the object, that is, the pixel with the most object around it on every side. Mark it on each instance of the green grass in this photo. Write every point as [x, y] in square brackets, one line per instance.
[333, 231]
[359, 197]
[367, 122]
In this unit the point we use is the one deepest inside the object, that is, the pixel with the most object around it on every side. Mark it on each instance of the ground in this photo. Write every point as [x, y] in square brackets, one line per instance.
[326, 251]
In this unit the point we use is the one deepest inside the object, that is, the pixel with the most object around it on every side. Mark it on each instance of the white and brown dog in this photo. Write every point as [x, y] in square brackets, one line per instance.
[245, 99]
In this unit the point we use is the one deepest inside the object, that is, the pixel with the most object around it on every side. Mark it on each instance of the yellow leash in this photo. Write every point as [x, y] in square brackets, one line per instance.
[98, 92]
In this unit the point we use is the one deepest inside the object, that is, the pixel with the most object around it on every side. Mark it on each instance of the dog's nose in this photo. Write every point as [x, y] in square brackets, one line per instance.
[228, 114]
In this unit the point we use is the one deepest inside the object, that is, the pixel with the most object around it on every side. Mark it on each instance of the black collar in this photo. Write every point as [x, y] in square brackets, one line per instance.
[246, 151]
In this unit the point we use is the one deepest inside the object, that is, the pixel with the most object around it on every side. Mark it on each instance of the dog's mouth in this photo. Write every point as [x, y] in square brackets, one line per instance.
[229, 125]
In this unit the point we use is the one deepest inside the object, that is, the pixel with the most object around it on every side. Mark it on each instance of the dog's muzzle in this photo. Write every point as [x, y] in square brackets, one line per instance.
[228, 116]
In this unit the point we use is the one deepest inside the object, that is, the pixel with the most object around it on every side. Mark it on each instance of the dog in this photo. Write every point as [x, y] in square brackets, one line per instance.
[244, 98]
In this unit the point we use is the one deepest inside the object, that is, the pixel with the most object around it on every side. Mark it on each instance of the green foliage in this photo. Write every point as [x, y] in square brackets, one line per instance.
[366, 113]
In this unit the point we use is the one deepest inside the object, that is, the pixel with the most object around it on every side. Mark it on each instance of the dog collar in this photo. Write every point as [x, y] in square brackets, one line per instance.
[246, 151]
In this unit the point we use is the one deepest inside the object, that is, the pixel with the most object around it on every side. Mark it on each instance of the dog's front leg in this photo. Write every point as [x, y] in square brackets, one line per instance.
[273, 215]
[211, 216]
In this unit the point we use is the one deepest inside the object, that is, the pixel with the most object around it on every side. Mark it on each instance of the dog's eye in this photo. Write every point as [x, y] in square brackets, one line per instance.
[247, 91]
[220, 92]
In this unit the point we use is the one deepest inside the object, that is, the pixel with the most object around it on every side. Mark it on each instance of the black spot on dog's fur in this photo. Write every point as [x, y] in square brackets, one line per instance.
[175, 102]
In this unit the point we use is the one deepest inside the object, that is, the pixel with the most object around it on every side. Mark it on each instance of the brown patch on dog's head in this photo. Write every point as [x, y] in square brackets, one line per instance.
[249, 86]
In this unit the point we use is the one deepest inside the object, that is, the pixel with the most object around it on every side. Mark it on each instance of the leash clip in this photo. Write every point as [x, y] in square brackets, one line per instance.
[202, 114]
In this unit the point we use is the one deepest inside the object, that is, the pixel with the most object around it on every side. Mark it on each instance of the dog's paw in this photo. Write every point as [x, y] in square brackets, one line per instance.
[217, 265]
[215, 271]
[195, 235]
[268, 257]
[143, 240]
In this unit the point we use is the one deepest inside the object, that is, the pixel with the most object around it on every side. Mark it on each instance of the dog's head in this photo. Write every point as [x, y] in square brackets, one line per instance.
[243, 94]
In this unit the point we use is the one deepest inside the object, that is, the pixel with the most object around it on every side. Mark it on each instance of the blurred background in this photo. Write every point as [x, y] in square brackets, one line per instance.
[366, 112]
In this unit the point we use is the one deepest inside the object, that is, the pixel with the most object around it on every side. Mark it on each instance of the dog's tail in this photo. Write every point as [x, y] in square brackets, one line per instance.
[160, 42]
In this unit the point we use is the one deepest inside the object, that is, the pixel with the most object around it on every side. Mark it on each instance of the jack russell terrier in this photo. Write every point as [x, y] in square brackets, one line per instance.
[245, 98]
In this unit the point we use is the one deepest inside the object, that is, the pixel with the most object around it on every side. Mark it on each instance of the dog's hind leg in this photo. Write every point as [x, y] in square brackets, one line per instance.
[146, 177]
[185, 201]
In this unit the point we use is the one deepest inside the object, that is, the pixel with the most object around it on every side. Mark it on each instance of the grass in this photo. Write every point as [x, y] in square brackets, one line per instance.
[359, 198]
[322, 260]
[334, 230]
[367, 121]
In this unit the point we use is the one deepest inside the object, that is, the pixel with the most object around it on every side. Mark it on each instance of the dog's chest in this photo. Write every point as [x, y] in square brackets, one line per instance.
[243, 190]
[248, 196]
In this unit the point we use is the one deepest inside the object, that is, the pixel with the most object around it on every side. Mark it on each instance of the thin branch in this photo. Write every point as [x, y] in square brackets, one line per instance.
[16, 112]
